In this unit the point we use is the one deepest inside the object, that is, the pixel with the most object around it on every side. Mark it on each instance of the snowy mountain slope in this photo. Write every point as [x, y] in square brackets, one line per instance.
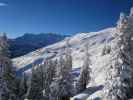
[96, 40]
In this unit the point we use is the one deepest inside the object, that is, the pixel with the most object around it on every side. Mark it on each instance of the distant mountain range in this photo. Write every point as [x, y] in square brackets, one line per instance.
[30, 42]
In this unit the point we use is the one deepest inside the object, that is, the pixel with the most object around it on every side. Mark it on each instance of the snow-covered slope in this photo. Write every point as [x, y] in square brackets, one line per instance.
[96, 40]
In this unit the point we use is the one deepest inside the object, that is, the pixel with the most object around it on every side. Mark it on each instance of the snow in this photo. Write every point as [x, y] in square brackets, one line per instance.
[96, 40]
[89, 93]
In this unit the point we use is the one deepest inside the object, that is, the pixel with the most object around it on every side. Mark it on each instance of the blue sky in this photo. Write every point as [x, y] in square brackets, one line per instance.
[61, 16]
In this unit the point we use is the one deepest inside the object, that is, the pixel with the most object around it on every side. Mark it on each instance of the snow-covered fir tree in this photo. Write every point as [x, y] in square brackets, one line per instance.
[120, 76]
[62, 87]
[4, 50]
[49, 74]
[23, 87]
[35, 86]
[84, 77]
[54, 86]
[8, 86]
[41, 78]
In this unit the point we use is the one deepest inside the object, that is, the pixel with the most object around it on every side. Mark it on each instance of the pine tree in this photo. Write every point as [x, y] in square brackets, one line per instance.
[23, 87]
[49, 74]
[8, 85]
[35, 86]
[120, 77]
[55, 85]
[4, 50]
[62, 87]
[42, 77]
[84, 77]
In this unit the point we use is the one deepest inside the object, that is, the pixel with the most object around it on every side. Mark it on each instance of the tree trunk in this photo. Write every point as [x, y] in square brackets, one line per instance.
[65, 98]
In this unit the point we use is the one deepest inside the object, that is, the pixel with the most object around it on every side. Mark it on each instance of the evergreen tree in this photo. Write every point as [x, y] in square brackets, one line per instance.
[49, 74]
[4, 46]
[42, 77]
[23, 87]
[35, 86]
[120, 77]
[62, 87]
[8, 86]
[84, 77]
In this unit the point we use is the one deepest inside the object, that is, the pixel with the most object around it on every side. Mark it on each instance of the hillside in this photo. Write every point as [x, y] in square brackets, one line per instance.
[97, 41]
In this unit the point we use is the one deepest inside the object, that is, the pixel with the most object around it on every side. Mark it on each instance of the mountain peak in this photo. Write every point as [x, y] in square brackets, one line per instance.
[30, 42]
